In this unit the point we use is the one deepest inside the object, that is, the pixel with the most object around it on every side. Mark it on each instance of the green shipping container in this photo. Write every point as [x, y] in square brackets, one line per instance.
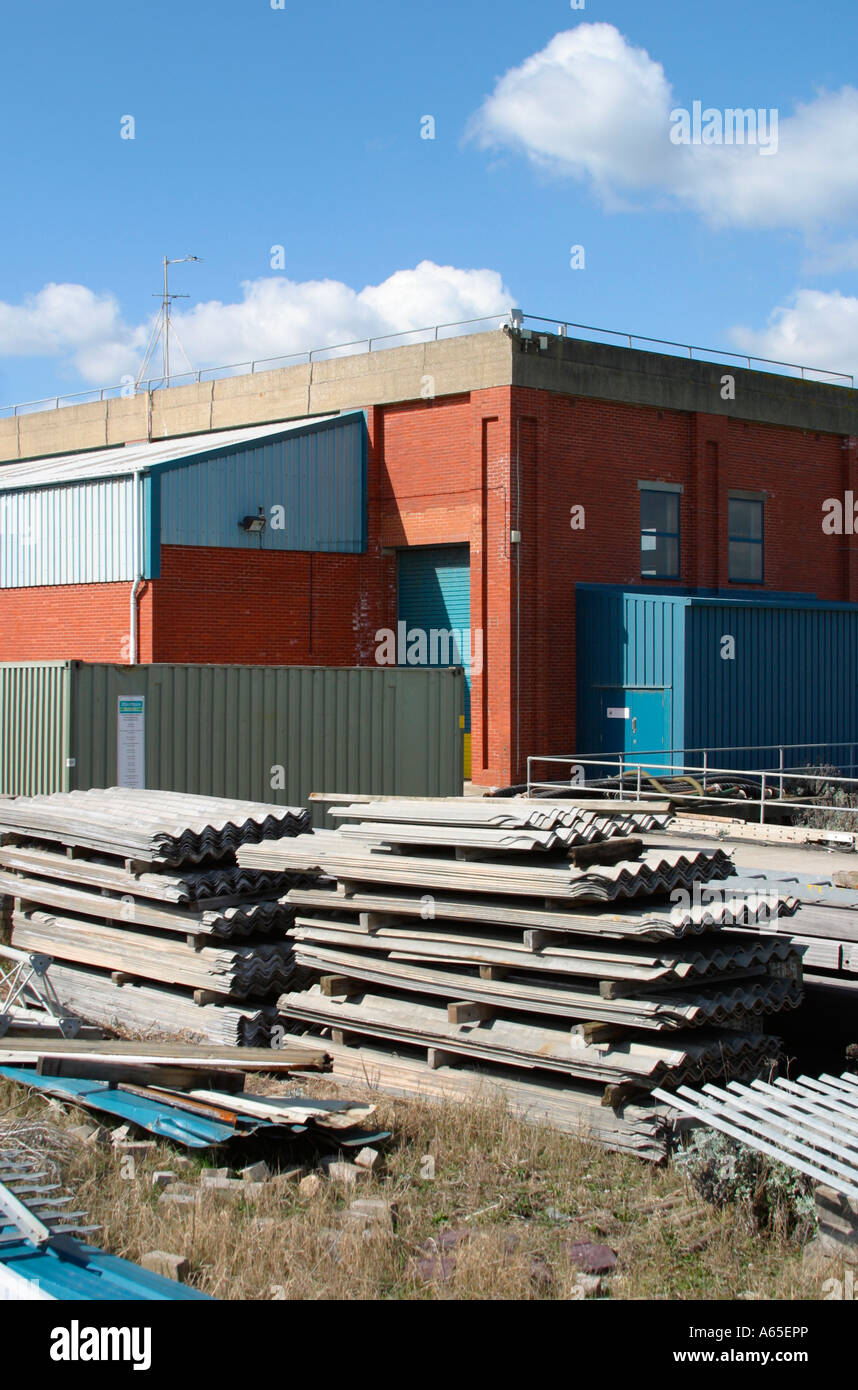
[260, 733]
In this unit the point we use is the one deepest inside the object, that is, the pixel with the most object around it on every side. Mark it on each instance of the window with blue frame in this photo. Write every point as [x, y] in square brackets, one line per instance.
[659, 534]
[745, 540]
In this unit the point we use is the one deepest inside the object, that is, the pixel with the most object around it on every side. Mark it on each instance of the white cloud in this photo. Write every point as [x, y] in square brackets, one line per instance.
[75, 324]
[816, 329]
[277, 316]
[274, 317]
[588, 104]
[592, 106]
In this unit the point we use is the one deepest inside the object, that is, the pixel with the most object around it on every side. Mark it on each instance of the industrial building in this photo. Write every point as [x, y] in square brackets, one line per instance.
[579, 525]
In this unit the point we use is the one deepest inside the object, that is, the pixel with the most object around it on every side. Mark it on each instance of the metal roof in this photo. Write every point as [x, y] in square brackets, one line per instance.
[132, 458]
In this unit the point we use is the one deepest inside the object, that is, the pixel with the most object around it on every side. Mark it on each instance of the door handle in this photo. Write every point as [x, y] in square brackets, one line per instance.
[634, 724]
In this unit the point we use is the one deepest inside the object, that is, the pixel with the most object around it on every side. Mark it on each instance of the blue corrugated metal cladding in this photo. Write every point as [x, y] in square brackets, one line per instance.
[310, 485]
[717, 672]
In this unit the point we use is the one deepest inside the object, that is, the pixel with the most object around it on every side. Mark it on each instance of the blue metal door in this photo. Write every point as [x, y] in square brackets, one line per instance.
[636, 722]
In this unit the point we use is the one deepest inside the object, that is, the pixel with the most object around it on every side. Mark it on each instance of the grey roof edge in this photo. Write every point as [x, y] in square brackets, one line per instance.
[602, 371]
[220, 442]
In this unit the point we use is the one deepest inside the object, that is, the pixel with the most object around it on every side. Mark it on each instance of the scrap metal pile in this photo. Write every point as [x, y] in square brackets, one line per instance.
[135, 899]
[538, 943]
[193, 1095]
[189, 1095]
[42, 1251]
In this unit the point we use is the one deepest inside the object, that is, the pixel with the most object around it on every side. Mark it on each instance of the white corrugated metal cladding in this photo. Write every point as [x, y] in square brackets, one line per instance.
[97, 517]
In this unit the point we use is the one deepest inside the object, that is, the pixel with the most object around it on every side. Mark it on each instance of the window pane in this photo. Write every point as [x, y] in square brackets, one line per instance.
[746, 562]
[659, 511]
[659, 557]
[745, 519]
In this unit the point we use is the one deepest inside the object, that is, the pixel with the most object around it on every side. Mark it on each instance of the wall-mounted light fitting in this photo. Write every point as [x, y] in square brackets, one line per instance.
[253, 524]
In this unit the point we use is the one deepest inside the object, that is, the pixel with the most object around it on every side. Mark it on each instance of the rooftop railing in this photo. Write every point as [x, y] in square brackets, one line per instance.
[432, 333]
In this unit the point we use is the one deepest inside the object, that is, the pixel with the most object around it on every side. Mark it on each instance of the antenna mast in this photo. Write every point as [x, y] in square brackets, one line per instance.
[163, 325]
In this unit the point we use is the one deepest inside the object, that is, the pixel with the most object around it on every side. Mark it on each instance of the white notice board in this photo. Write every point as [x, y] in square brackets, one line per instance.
[131, 741]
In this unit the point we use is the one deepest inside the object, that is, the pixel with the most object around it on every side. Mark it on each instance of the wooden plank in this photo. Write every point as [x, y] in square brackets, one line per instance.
[116, 1073]
[436, 1057]
[467, 1011]
[657, 1010]
[338, 986]
[562, 1103]
[605, 851]
[295, 1056]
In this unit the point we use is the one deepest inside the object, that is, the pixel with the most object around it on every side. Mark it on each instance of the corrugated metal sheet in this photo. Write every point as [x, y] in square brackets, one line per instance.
[627, 641]
[228, 730]
[131, 458]
[316, 476]
[34, 716]
[68, 535]
[91, 1276]
[84, 518]
[793, 679]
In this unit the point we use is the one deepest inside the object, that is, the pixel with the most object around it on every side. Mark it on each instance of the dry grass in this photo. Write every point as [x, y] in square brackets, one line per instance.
[499, 1183]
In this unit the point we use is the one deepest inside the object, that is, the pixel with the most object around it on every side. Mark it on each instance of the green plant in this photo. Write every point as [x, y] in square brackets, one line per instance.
[774, 1196]
[838, 805]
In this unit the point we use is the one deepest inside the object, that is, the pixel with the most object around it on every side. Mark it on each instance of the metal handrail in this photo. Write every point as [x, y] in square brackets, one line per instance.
[632, 763]
[98, 394]
[706, 750]
[691, 349]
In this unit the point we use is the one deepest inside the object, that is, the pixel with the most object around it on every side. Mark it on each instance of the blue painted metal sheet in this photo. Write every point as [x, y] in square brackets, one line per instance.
[310, 483]
[159, 1116]
[629, 644]
[101, 517]
[183, 1127]
[743, 671]
[771, 673]
[435, 598]
[83, 534]
[82, 1273]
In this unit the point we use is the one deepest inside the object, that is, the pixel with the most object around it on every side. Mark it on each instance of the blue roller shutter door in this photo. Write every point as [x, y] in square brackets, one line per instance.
[435, 595]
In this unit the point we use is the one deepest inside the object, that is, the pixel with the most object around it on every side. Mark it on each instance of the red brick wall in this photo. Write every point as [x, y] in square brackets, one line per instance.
[593, 453]
[445, 479]
[429, 478]
[267, 608]
[73, 622]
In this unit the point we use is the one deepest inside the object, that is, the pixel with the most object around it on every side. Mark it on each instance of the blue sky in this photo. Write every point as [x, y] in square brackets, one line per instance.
[300, 127]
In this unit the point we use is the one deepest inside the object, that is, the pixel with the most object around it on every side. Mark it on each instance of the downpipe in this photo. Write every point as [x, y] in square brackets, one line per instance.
[132, 644]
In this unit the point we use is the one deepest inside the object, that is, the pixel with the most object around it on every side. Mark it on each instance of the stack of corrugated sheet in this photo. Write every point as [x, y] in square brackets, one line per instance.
[828, 926]
[150, 923]
[826, 932]
[552, 945]
[156, 827]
